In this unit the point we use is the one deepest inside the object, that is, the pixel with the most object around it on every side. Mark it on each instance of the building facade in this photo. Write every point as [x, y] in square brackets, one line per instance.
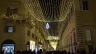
[18, 29]
[80, 29]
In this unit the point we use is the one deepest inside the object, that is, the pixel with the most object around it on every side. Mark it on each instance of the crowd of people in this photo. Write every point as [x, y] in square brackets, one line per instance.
[52, 52]
[77, 52]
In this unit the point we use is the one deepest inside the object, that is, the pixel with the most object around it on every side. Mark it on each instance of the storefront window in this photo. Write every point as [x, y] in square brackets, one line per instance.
[32, 45]
[8, 48]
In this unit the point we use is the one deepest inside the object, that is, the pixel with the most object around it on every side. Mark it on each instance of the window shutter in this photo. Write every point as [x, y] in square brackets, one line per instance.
[6, 29]
[88, 35]
[14, 29]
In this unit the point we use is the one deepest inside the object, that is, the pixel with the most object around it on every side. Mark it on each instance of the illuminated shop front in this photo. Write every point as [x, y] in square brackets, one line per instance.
[32, 45]
[8, 46]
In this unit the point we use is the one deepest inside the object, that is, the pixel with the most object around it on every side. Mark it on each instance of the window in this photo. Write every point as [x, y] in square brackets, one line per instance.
[85, 5]
[11, 11]
[36, 38]
[28, 33]
[9, 29]
[32, 35]
[18, 21]
[23, 21]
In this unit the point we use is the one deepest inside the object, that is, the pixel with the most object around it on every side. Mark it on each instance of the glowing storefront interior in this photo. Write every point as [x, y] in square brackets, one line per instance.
[32, 45]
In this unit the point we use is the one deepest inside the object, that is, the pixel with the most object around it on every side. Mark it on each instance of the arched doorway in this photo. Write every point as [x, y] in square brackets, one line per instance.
[8, 46]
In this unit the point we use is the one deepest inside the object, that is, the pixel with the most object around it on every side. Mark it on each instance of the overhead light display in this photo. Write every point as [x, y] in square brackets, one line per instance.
[47, 10]
[52, 38]
[47, 26]
[53, 44]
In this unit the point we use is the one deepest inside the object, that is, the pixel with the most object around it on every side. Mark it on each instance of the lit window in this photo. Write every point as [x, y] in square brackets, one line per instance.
[10, 29]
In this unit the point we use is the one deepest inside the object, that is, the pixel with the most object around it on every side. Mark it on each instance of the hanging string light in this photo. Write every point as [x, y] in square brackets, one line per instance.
[42, 10]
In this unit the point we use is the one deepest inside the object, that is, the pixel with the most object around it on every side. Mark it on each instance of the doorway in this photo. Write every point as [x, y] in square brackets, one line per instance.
[90, 47]
[8, 46]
